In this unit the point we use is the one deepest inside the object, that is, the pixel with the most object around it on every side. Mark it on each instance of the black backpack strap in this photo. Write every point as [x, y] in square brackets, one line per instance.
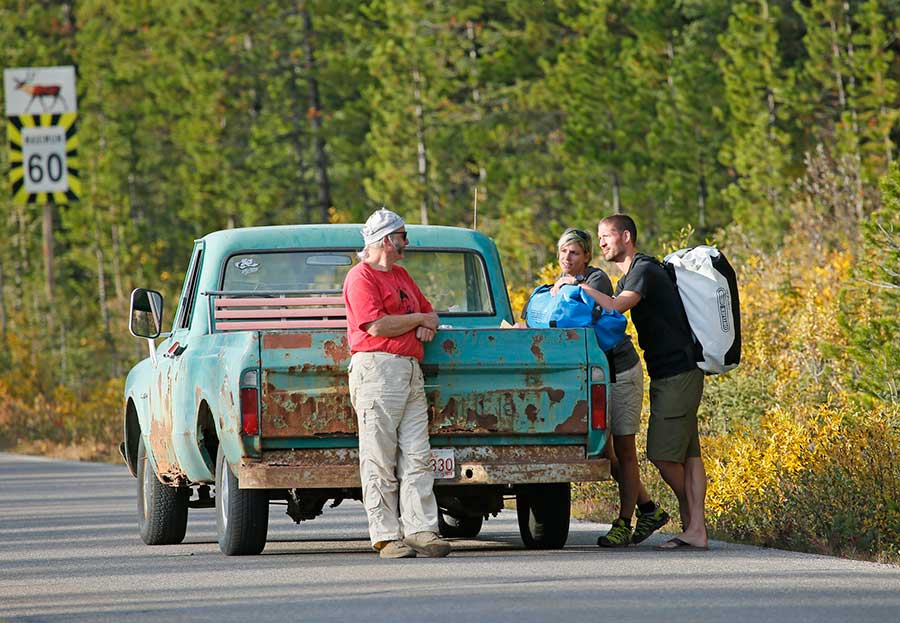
[697, 348]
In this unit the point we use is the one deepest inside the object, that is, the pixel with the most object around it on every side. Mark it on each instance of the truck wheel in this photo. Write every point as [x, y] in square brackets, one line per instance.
[162, 510]
[543, 512]
[242, 515]
[459, 528]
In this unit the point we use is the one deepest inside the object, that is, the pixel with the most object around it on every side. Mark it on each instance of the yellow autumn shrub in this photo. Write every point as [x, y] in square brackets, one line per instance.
[793, 469]
[821, 480]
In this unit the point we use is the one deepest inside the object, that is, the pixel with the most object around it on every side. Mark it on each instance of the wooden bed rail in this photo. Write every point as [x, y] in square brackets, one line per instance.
[255, 313]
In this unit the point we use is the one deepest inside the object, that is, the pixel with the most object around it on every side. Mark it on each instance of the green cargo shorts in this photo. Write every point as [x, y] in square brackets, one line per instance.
[672, 434]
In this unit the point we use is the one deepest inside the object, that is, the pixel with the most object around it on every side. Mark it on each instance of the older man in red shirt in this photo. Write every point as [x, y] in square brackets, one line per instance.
[388, 319]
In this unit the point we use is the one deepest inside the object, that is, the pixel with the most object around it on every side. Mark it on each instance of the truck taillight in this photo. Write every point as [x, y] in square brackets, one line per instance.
[598, 406]
[249, 411]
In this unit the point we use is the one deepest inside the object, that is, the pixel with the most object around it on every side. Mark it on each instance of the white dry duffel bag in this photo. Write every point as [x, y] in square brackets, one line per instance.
[707, 285]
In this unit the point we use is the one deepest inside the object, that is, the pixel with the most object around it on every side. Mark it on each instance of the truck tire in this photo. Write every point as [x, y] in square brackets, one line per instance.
[162, 510]
[242, 515]
[459, 528]
[543, 512]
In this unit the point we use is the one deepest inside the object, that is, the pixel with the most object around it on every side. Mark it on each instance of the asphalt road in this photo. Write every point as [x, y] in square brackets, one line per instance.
[70, 551]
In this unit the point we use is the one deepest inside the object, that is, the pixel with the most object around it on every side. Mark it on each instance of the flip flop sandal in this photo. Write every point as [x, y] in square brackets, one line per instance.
[678, 544]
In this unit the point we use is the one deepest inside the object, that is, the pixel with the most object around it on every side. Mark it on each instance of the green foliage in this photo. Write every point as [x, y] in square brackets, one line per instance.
[759, 90]
[871, 306]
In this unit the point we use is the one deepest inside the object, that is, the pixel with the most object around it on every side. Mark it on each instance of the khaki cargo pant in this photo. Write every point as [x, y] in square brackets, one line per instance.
[388, 394]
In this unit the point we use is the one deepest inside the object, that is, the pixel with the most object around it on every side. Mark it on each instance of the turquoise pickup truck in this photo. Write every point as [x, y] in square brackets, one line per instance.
[243, 404]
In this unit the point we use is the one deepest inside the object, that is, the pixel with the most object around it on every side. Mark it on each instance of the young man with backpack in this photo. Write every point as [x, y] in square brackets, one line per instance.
[626, 392]
[676, 383]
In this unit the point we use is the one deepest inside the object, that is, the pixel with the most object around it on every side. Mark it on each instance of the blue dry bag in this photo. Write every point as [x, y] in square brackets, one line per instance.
[573, 307]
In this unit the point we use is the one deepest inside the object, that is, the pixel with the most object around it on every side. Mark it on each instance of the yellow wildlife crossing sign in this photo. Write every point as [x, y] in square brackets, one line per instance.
[41, 130]
[43, 162]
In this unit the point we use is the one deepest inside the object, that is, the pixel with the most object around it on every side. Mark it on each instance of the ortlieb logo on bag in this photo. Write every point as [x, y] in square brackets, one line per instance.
[573, 307]
[708, 288]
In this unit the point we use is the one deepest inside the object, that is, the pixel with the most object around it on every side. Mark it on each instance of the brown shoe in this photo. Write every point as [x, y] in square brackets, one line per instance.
[428, 544]
[397, 549]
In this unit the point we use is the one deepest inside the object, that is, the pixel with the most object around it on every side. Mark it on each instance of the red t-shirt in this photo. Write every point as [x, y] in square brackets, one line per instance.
[370, 294]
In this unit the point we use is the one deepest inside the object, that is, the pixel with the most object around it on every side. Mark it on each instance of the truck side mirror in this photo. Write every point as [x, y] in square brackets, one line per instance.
[145, 319]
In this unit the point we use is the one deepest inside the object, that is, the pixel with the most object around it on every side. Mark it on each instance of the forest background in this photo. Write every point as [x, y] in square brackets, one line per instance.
[768, 127]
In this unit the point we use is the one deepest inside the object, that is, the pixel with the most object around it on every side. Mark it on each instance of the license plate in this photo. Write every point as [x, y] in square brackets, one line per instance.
[443, 463]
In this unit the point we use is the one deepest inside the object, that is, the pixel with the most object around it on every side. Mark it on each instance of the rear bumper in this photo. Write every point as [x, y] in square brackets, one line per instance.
[338, 468]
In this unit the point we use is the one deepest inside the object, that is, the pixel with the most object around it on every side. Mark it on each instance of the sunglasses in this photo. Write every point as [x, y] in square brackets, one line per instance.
[400, 233]
[583, 235]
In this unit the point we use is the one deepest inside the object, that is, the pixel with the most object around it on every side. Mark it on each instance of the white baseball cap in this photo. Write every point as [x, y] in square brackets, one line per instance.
[380, 224]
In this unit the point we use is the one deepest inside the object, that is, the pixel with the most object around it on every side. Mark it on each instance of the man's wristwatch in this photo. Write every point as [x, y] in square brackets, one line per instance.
[579, 279]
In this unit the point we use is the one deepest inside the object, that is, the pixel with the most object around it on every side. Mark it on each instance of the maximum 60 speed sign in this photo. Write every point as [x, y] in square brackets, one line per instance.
[44, 159]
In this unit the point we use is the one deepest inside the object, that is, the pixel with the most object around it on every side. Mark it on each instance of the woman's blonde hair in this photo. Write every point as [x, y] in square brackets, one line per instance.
[583, 239]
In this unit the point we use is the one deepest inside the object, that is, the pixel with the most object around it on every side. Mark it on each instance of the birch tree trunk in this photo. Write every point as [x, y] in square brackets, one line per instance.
[617, 193]
[298, 146]
[116, 264]
[421, 150]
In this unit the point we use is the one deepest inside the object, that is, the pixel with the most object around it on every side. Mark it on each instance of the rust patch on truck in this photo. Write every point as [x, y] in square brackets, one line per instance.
[167, 468]
[159, 443]
[449, 347]
[225, 392]
[296, 413]
[555, 395]
[577, 422]
[338, 353]
[536, 350]
[477, 420]
[572, 335]
[488, 412]
[449, 409]
[287, 340]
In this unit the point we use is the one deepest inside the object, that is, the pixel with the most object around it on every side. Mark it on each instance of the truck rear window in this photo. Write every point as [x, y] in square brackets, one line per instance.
[454, 281]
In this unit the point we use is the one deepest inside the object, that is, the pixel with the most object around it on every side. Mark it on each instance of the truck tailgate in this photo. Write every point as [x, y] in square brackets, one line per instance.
[478, 381]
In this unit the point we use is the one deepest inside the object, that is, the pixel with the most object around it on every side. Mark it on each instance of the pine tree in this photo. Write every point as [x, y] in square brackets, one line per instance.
[875, 91]
[411, 68]
[528, 172]
[871, 318]
[758, 93]
[676, 44]
[605, 116]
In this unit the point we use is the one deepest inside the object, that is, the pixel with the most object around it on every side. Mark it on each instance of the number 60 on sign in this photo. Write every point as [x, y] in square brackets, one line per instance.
[44, 159]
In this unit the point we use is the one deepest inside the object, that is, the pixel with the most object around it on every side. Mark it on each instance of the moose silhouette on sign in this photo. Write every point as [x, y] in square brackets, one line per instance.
[40, 92]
